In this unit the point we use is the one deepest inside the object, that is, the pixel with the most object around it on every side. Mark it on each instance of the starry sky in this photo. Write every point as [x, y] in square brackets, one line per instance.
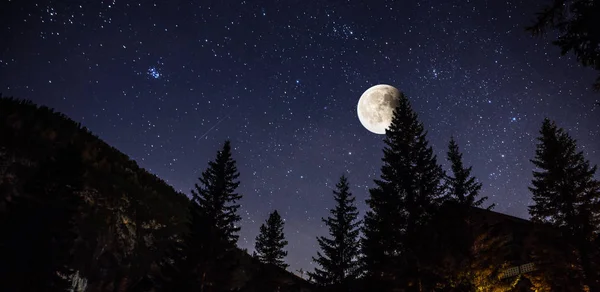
[166, 82]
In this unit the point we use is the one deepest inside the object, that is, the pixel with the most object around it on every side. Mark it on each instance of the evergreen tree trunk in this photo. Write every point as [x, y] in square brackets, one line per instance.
[589, 274]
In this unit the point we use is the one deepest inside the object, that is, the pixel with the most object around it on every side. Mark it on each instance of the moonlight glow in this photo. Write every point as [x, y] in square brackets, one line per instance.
[376, 107]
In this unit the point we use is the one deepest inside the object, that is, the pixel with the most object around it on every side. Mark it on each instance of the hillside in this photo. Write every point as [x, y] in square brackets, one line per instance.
[130, 217]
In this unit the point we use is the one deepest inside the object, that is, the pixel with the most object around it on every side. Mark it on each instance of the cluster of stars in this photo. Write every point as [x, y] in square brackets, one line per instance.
[153, 72]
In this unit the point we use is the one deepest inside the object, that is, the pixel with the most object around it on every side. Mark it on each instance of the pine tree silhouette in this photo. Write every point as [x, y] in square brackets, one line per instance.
[403, 201]
[216, 197]
[270, 242]
[566, 195]
[212, 236]
[462, 187]
[338, 258]
[576, 22]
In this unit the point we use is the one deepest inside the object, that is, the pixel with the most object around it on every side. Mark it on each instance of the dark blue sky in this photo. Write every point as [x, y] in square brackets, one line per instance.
[166, 82]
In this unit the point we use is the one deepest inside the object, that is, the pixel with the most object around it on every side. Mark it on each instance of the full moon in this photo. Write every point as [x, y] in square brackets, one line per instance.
[376, 107]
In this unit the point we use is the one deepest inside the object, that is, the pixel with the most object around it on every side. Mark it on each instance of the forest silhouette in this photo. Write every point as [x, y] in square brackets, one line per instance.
[77, 214]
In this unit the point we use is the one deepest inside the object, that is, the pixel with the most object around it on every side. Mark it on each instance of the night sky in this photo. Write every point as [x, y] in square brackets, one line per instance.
[166, 82]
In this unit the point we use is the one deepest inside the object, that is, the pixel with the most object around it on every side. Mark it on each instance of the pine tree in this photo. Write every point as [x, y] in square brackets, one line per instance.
[576, 24]
[270, 242]
[566, 195]
[462, 187]
[212, 236]
[339, 260]
[450, 235]
[403, 200]
[216, 196]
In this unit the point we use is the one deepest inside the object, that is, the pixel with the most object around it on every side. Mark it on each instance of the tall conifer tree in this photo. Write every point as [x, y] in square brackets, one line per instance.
[403, 200]
[216, 196]
[451, 234]
[575, 24]
[566, 195]
[461, 185]
[212, 234]
[339, 258]
[270, 242]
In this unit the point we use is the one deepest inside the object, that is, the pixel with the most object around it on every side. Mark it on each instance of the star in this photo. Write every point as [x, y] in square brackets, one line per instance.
[282, 81]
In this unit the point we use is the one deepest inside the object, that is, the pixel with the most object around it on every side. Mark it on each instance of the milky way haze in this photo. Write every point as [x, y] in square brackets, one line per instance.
[167, 82]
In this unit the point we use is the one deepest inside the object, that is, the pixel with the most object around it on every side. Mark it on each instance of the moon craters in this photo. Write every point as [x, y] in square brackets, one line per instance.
[376, 107]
